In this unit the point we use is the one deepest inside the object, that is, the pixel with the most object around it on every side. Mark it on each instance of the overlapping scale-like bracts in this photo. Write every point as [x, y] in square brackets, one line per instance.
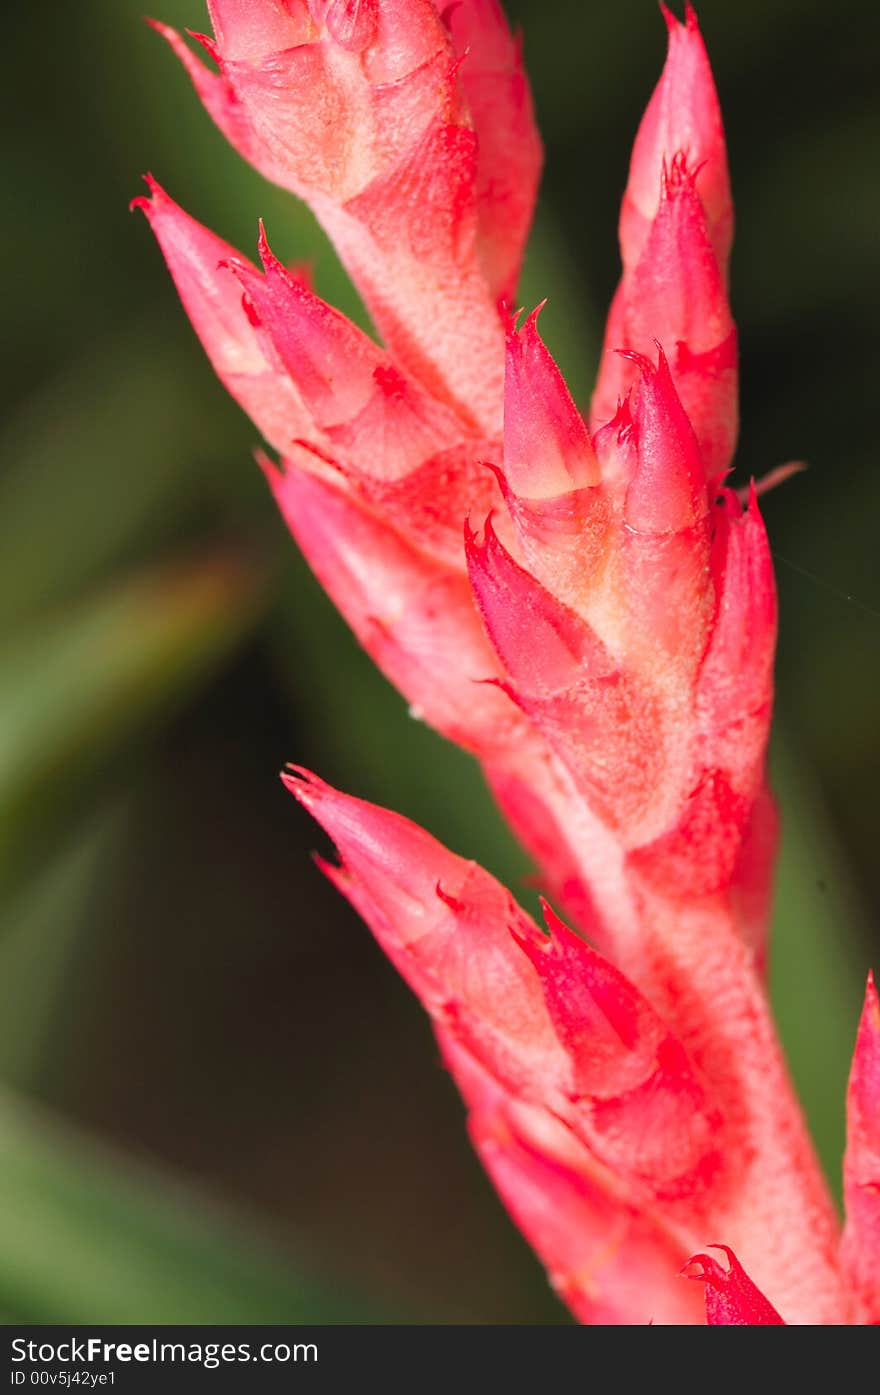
[585, 605]
[577, 1084]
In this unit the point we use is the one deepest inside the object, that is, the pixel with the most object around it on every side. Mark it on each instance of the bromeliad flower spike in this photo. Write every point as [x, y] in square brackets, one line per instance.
[586, 606]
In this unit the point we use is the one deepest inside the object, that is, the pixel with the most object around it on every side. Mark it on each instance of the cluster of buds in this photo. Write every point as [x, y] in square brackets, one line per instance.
[585, 606]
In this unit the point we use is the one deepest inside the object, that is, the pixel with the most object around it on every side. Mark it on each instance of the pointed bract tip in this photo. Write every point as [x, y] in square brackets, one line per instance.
[751, 506]
[872, 1002]
[267, 257]
[478, 540]
[530, 939]
[674, 24]
[672, 21]
[146, 203]
[732, 1298]
[642, 362]
[510, 318]
[646, 367]
[531, 323]
[527, 334]
[706, 1269]
[621, 423]
[547, 449]
[172, 37]
[333, 871]
[539, 945]
[547, 910]
[177, 42]
[305, 786]
[513, 331]
[273, 472]
[554, 925]
[208, 44]
[497, 471]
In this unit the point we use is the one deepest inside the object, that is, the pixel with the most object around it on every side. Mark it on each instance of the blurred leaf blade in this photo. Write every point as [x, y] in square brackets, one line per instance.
[71, 441]
[817, 979]
[39, 930]
[82, 681]
[88, 1238]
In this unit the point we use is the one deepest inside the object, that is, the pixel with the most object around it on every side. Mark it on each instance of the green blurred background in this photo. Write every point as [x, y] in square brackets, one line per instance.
[217, 1102]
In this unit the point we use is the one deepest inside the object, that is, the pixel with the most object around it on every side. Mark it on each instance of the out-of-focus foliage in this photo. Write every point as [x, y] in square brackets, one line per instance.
[76, 1218]
[78, 681]
[175, 978]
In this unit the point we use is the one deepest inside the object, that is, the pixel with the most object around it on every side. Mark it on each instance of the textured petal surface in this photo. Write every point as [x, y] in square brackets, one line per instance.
[682, 115]
[547, 450]
[411, 613]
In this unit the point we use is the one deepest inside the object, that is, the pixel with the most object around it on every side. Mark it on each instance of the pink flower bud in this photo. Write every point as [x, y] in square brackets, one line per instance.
[682, 115]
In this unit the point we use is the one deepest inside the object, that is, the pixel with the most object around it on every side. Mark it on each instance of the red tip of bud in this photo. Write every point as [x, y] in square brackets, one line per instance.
[174, 40]
[683, 114]
[306, 787]
[144, 202]
[673, 22]
[547, 449]
[207, 43]
[671, 19]
[267, 257]
[732, 1299]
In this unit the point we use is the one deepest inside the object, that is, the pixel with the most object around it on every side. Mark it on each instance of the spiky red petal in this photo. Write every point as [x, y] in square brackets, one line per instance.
[731, 1297]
